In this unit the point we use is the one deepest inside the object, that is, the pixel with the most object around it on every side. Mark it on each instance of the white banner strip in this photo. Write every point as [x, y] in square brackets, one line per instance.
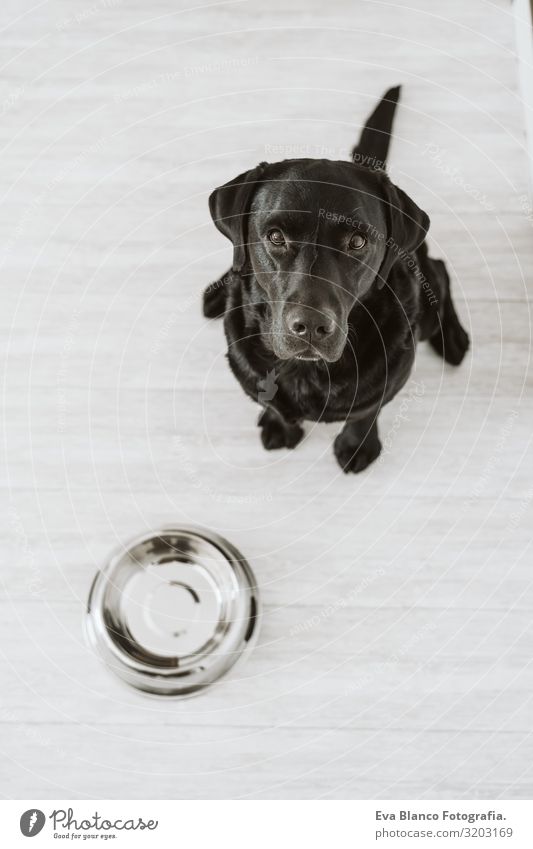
[268, 824]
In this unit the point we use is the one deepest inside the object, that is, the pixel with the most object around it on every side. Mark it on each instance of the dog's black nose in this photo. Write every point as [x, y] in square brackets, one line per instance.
[309, 324]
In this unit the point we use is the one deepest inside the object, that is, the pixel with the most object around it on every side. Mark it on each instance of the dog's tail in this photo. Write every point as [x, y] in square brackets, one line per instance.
[373, 145]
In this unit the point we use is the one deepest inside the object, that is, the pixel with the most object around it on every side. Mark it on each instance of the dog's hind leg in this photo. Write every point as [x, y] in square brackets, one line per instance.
[214, 300]
[449, 339]
[373, 146]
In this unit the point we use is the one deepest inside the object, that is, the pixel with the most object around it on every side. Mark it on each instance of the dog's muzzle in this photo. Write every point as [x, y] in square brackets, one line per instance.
[307, 333]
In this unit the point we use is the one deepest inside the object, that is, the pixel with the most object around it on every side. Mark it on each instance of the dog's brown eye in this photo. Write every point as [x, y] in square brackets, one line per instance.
[276, 237]
[357, 242]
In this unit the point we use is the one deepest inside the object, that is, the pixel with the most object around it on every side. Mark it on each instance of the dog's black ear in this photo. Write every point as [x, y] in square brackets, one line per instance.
[407, 227]
[229, 206]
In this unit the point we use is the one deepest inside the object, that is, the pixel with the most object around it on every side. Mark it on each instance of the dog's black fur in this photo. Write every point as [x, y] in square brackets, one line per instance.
[330, 290]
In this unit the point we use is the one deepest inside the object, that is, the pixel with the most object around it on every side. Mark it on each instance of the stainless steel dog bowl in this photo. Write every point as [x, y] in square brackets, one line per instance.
[174, 611]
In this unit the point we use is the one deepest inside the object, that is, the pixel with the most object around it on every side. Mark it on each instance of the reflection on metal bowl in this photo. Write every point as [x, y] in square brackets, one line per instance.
[174, 611]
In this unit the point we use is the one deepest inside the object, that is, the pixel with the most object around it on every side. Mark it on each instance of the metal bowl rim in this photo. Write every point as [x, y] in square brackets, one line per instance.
[104, 647]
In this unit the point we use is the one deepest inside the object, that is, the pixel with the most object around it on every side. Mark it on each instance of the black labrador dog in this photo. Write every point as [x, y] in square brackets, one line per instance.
[330, 290]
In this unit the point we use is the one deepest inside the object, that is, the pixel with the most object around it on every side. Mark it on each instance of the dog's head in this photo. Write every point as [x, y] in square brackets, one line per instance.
[317, 235]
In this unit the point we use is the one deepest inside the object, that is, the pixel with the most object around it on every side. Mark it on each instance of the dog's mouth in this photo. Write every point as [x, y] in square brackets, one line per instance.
[285, 347]
[308, 358]
[305, 355]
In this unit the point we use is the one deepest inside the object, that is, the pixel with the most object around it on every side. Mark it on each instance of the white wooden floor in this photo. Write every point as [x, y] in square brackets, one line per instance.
[395, 658]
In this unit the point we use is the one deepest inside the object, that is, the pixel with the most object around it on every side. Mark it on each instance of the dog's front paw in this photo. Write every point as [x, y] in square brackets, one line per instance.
[275, 434]
[355, 458]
